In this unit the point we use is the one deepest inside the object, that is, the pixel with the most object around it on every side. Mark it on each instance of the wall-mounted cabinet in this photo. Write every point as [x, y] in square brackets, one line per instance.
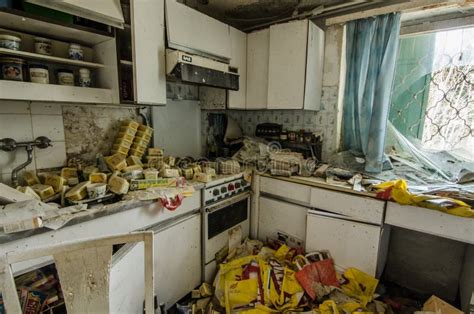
[285, 66]
[258, 44]
[141, 51]
[295, 66]
[194, 32]
[99, 56]
[238, 63]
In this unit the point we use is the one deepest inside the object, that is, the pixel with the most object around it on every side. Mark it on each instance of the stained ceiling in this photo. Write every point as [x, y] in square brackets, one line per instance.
[247, 15]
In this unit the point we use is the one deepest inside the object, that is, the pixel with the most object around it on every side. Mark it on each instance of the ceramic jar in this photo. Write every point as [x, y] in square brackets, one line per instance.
[43, 46]
[39, 73]
[85, 77]
[10, 42]
[76, 52]
[12, 68]
[65, 77]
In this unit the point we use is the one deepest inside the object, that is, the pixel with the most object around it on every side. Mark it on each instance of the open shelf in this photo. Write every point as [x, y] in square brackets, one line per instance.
[14, 90]
[24, 22]
[36, 56]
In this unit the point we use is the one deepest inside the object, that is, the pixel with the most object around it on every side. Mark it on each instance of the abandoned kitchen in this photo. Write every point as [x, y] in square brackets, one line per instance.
[237, 156]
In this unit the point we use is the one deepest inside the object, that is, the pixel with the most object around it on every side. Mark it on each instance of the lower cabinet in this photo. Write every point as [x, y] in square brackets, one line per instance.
[277, 216]
[177, 250]
[177, 263]
[352, 244]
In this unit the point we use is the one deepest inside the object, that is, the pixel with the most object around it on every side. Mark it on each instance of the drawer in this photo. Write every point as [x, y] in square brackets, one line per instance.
[292, 191]
[277, 216]
[357, 207]
[352, 244]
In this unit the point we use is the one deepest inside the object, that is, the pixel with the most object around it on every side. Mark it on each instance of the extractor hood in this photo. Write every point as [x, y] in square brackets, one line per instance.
[191, 68]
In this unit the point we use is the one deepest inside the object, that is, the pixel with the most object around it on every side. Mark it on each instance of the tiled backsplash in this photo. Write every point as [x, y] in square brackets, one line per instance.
[25, 121]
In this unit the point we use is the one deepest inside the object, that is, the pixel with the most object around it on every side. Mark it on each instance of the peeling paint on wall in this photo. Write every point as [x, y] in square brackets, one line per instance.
[90, 130]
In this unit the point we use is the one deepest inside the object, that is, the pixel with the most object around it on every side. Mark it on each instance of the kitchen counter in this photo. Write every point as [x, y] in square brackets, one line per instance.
[321, 183]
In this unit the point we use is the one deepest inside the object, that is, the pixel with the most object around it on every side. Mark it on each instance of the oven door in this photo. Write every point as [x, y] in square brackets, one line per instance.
[219, 218]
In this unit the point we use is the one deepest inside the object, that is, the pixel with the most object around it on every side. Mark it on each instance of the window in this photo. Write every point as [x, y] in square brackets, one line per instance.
[433, 91]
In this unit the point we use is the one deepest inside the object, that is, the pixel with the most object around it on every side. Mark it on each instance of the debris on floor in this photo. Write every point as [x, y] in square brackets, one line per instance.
[276, 278]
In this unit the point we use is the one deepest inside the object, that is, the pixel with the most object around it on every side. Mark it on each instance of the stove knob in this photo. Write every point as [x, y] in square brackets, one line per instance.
[223, 189]
[215, 192]
[243, 183]
[237, 185]
[230, 187]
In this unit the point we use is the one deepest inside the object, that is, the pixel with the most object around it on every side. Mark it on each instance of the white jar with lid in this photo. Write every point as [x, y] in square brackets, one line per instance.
[43, 46]
[10, 42]
[85, 77]
[76, 52]
[39, 73]
[65, 77]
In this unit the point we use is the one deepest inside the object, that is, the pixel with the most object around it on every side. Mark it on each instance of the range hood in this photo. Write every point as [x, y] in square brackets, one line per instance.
[191, 68]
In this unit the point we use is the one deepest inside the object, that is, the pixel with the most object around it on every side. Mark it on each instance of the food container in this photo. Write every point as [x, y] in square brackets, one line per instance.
[12, 68]
[39, 73]
[76, 52]
[96, 190]
[10, 42]
[85, 78]
[65, 77]
[43, 46]
[284, 136]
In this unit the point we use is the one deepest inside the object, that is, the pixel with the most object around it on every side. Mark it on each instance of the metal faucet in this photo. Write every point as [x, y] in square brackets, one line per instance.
[10, 145]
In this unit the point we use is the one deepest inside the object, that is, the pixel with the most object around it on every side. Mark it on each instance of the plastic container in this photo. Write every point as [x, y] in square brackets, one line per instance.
[65, 77]
[43, 46]
[76, 52]
[85, 78]
[12, 68]
[10, 42]
[39, 73]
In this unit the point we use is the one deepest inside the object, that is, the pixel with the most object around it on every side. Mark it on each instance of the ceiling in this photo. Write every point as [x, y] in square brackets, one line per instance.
[247, 15]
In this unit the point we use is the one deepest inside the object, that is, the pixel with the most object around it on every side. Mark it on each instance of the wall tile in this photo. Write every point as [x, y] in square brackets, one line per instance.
[50, 126]
[16, 126]
[18, 107]
[5, 178]
[51, 157]
[46, 108]
[10, 160]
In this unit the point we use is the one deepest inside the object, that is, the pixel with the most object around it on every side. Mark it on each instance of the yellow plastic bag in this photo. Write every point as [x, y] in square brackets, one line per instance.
[240, 294]
[281, 253]
[359, 285]
[399, 192]
[328, 307]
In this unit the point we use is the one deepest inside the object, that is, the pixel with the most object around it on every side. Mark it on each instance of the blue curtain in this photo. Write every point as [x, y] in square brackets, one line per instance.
[371, 52]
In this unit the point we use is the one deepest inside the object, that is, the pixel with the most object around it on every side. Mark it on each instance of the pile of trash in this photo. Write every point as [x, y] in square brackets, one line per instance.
[255, 278]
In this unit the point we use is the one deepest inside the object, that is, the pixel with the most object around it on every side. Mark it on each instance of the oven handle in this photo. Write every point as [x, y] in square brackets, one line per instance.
[227, 202]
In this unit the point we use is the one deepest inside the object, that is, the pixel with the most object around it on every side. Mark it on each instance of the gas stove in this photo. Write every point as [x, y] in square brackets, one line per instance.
[223, 187]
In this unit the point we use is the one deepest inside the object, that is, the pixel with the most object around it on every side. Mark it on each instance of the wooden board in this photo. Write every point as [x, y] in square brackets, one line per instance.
[13, 90]
[287, 65]
[28, 23]
[257, 69]
[36, 56]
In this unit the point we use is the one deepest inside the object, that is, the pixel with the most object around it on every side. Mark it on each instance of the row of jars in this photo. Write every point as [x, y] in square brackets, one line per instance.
[43, 46]
[16, 69]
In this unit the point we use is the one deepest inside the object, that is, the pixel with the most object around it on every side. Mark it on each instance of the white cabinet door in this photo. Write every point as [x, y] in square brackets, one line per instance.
[192, 31]
[177, 251]
[238, 61]
[148, 36]
[351, 244]
[278, 216]
[257, 69]
[103, 11]
[287, 65]
[127, 280]
[314, 68]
